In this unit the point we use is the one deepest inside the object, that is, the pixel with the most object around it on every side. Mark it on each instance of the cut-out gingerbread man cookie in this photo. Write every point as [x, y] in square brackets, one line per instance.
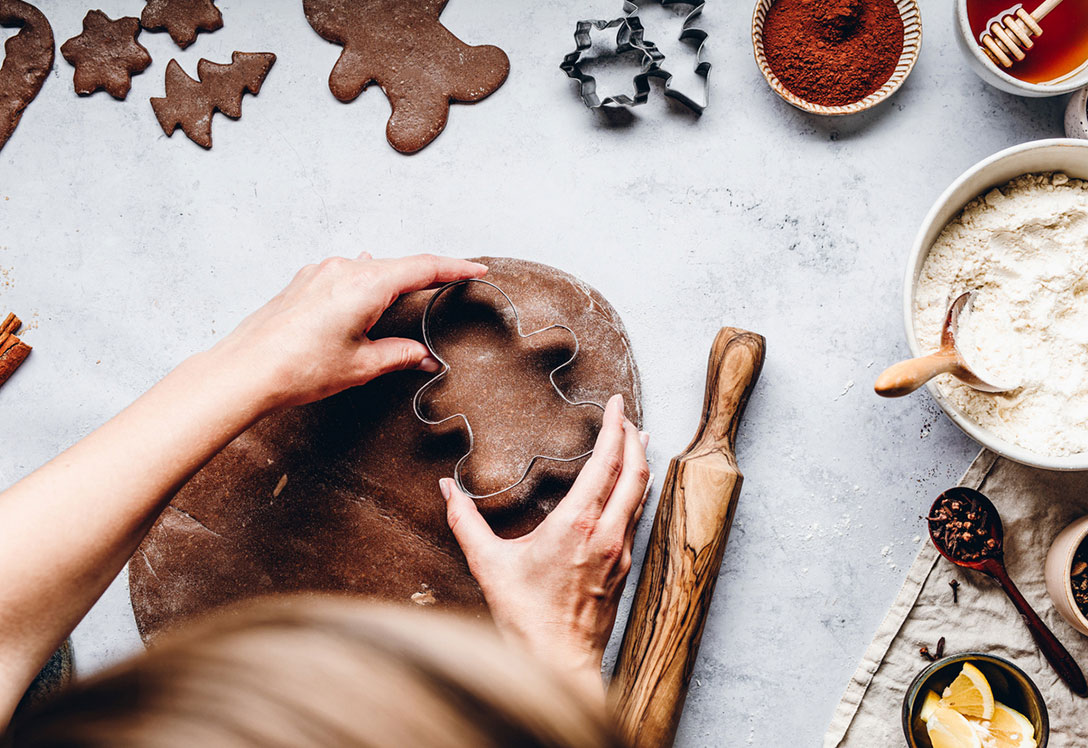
[190, 104]
[417, 62]
[182, 19]
[106, 55]
[28, 58]
[502, 385]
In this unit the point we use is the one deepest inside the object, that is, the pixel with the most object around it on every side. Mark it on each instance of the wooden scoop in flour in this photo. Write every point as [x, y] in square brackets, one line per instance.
[907, 376]
[688, 539]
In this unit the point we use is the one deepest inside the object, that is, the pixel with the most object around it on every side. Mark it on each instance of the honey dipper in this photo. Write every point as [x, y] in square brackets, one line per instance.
[1010, 37]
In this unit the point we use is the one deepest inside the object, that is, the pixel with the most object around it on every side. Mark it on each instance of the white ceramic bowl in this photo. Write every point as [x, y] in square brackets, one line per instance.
[996, 76]
[1059, 572]
[1060, 154]
[1076, 115]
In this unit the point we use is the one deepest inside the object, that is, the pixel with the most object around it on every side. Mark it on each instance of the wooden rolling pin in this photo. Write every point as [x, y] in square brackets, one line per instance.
[688, 539]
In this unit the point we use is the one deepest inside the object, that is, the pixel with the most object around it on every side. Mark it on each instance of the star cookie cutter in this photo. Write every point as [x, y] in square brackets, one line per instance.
[629, 39]
[418, 397]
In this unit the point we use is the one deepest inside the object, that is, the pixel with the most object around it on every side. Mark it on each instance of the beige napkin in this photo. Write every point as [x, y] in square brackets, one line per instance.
[1035, 505]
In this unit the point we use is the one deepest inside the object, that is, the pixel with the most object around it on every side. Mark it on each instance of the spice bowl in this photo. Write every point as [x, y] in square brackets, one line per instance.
[912, 43]
[1059, 570]
[1010, 684]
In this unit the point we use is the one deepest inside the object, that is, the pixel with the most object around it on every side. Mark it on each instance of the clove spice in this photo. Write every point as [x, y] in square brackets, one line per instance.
[963, 528]
[1079, 577]
[955, 585]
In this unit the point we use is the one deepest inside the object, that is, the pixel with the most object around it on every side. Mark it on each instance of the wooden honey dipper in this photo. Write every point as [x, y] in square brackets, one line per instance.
[1010, 36]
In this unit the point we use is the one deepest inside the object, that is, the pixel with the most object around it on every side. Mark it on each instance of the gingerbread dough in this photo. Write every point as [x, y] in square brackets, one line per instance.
[419, 64]
[183, 19]
[342, 495]
[106, 55]
[28, 58]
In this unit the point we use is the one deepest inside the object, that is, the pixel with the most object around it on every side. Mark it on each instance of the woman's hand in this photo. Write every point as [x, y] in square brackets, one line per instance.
[310, 341]
[557, 588]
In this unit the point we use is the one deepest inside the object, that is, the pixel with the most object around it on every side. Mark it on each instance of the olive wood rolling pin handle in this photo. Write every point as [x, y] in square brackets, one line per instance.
[687, 541]
[907, 376]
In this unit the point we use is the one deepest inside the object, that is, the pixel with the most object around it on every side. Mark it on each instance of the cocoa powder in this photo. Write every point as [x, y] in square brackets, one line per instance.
[833, 52]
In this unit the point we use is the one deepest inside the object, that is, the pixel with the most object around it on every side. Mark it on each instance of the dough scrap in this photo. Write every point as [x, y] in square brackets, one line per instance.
[28, 58]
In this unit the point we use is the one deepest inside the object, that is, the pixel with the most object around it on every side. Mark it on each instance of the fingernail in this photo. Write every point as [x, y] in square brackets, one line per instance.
[430, 365]
[444, 487]
[644, 438]
[482, 266]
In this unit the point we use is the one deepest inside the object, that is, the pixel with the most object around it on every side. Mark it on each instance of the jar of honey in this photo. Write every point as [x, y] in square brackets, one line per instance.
[1056, 64]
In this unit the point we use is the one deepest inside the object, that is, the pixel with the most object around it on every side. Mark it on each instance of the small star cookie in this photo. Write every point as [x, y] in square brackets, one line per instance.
[183, 19]
[106, 55]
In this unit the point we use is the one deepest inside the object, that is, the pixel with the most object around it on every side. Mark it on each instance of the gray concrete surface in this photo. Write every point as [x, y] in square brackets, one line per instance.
[126, 251]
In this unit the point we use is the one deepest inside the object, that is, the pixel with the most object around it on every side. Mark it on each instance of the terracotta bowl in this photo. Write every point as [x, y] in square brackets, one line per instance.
[912, 43]
[1059, 570]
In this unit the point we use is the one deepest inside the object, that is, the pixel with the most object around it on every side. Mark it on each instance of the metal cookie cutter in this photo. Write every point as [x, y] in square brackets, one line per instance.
[629, 39]
[417, 399]
[688, 32]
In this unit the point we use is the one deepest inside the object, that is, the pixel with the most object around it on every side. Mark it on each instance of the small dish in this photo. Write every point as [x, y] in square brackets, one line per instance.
[1076, 115]
[1010, 684]
[1059, 568]
[1059, 154]
[998, 78]
[912, 43]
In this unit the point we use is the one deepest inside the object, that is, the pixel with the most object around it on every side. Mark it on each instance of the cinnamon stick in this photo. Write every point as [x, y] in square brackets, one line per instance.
[12, 350]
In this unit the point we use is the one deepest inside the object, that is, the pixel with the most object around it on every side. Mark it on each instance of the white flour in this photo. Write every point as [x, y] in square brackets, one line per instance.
[1023, 248]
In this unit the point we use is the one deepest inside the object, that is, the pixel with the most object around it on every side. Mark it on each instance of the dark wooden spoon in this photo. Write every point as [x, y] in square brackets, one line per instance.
[992, 564]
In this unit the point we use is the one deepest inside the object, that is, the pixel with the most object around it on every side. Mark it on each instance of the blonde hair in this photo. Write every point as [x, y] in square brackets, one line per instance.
[322, 671]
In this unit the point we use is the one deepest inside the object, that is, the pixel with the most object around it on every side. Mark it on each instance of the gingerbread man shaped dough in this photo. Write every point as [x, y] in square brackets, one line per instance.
[419, 64]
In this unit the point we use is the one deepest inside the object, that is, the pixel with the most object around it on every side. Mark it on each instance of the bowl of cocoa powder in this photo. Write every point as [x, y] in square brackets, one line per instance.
[836, 57]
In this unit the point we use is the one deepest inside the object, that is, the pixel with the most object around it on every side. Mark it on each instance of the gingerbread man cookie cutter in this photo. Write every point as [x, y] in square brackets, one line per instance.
[417, 399]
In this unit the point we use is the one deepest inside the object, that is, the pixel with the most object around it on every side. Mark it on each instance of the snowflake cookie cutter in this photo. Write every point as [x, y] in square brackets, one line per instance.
[422, 391]
[629, 39]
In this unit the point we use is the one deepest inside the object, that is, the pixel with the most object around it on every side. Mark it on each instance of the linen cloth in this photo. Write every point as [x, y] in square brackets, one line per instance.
[1035, 505]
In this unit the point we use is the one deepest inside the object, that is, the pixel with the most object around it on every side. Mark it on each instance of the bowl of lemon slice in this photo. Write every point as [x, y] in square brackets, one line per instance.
[974, 700]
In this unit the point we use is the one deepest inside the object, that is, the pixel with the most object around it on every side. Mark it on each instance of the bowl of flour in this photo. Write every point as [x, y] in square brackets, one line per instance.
[1014, 230]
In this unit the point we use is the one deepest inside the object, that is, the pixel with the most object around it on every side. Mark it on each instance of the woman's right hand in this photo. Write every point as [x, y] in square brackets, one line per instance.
[310, 341]
[556, 590]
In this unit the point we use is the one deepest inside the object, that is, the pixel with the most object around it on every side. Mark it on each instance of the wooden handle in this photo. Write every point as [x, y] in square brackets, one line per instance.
[688, 538]
[1056, 654]
[907, 376]
[1044, 10]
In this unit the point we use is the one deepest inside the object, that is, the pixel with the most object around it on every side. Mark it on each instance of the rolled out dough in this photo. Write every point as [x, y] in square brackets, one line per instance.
[342, 495]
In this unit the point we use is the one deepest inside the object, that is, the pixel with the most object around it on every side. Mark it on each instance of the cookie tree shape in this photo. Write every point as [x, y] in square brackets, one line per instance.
[182, 19]
[419, 64]
[190, 103]
[28, 58]
[502, 385]
[106, 55]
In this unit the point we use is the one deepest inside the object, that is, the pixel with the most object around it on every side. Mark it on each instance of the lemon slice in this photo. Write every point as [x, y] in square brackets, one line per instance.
[931, 702]
[948, 728]
[970, 694]
[1009, 728]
